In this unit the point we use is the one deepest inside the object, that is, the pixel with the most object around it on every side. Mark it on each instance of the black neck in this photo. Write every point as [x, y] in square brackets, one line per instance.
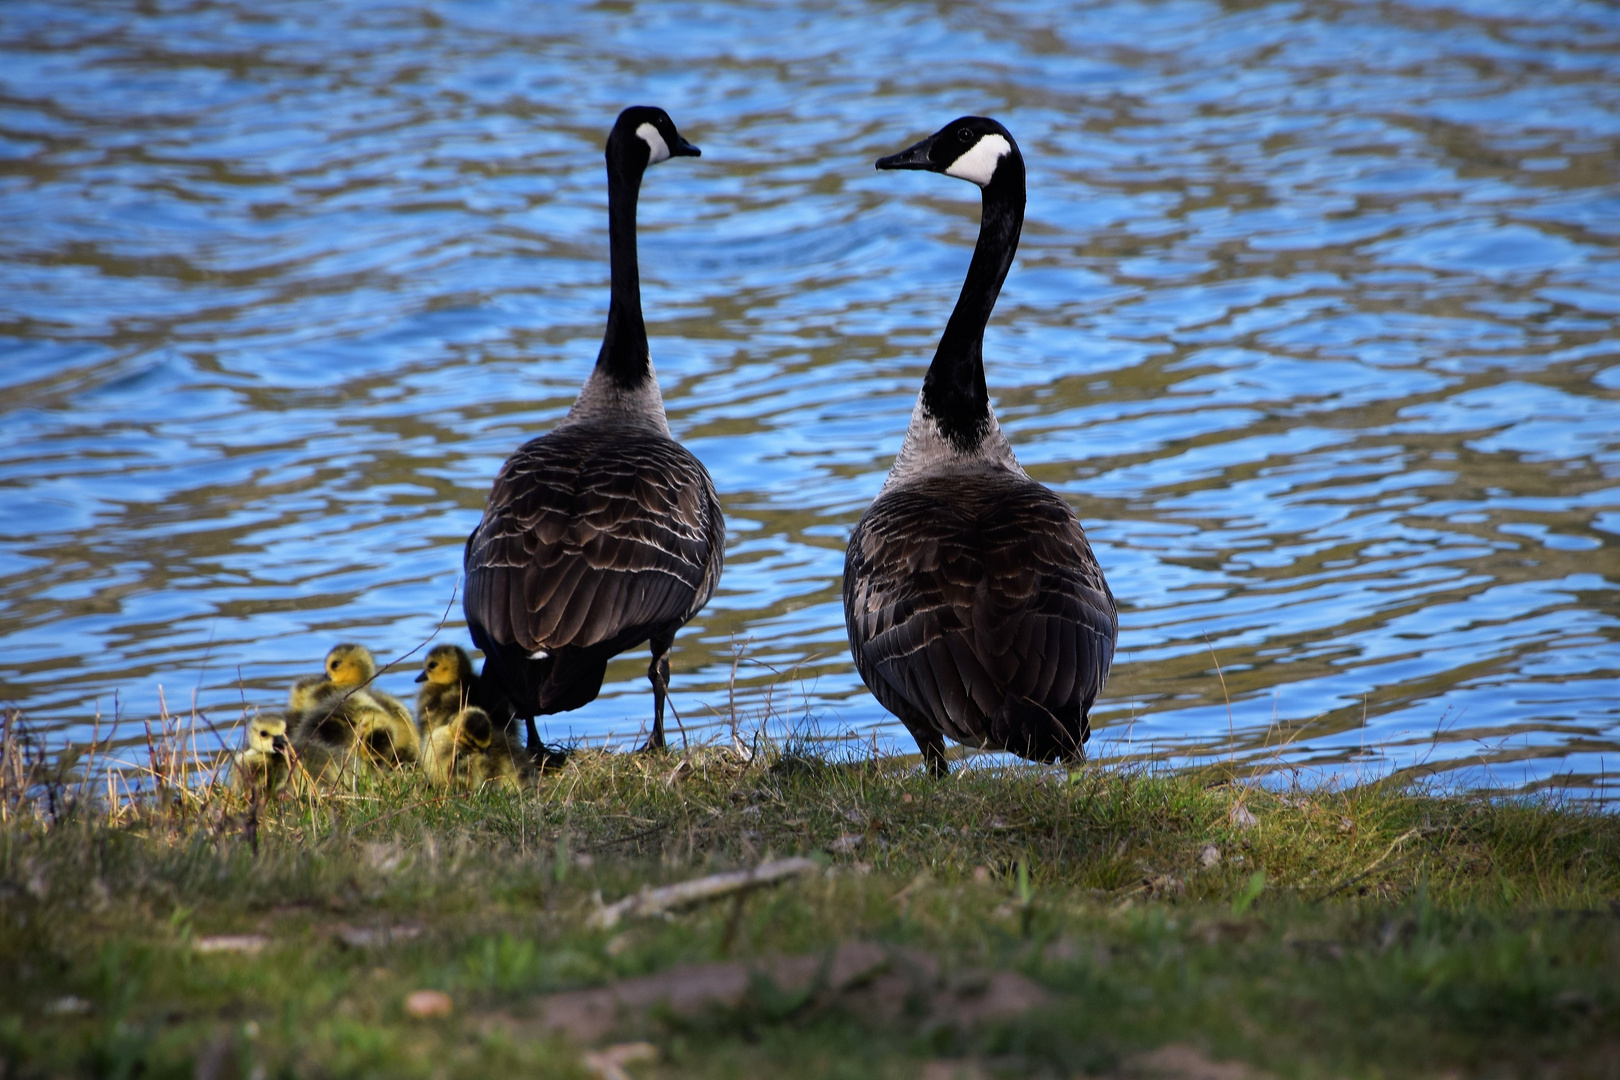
[624, 355]
[954, 392]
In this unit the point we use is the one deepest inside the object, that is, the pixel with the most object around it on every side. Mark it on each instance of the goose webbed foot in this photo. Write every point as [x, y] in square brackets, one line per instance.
[548, 757]
[544, 757]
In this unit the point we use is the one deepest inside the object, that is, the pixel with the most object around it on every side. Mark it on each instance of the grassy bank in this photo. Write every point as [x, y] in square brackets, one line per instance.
[1018, 922]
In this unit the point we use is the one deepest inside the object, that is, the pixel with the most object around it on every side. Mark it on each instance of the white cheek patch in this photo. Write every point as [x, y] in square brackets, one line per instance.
[658, 149]
[541, 654]
[979, 163]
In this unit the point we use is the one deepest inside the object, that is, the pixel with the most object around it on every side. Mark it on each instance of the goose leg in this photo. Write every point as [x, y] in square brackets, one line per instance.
[929, 739]
[932, 746]
[535, 747]
[658, 675]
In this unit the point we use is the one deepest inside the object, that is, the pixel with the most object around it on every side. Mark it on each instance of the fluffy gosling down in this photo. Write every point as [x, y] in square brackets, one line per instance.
[264, 763]
[343, 734]
[348, 667]
[341, 724]
[448, 686]
[471, 751]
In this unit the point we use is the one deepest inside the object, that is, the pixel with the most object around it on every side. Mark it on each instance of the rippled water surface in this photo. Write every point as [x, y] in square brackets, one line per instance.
[1314, 322]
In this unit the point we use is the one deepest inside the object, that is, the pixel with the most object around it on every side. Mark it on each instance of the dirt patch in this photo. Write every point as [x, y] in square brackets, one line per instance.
[870, 980]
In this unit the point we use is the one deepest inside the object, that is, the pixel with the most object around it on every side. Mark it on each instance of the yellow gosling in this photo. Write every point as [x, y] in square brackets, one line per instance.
[347, 732]
[264, 763]
[348, 667]
[448, 686]
[470, 751]
[386, 731]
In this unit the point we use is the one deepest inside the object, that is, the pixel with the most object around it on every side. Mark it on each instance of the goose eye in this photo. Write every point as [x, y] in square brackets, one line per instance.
[964, 135]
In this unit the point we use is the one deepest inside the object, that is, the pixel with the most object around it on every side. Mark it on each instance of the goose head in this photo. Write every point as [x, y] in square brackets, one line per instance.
[645, 135]
[972, 148]
[268, 735]
[446, 665]
[349, 665]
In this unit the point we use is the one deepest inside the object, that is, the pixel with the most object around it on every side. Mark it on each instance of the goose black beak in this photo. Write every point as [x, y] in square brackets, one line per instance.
[422, 677]
[681, 148]
[912, 157]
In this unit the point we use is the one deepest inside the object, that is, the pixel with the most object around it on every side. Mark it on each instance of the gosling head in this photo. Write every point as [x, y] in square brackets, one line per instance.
[268, 735]
[972, 148]
[349, 665]
[447, 665]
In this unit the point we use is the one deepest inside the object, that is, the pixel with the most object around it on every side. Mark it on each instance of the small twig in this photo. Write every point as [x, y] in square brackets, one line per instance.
[681, 894]
[1231, 728]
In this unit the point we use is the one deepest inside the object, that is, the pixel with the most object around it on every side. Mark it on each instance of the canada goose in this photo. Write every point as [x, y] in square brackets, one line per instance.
[974, 605]
[264, 763]
[448, 686]
[471, 751]
[347, 666]
[605, 532]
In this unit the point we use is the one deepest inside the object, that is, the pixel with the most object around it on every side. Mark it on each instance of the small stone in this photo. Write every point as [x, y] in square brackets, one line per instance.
[1243, 817]
[428, 1004]
[981, 874]
[846, 844]
[1209, 857]
[906, 797]
[68, 1005]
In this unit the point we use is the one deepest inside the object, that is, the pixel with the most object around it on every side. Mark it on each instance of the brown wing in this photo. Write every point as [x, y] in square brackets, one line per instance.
[970, 601]
[593, 536]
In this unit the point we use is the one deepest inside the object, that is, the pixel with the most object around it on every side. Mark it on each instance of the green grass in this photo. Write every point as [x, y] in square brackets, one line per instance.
[1369, 932]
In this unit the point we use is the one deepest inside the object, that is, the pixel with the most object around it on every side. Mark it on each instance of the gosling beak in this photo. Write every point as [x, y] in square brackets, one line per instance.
[278, 745]
[422, 677]
[912, 157]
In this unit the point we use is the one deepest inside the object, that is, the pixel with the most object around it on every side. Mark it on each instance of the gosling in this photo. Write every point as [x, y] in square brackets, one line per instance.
[265, 763]
[448, 686]
[348, 667]
[470, 751]
[343, 733]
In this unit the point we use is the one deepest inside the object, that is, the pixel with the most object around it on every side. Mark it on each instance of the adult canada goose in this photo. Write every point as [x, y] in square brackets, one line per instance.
[974, 605]
[605, 532]
[347, 666]
[264, 763]
[448, 686]
[471, 751]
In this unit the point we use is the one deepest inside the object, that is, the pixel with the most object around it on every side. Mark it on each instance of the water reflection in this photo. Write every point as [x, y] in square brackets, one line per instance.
[1313, 321]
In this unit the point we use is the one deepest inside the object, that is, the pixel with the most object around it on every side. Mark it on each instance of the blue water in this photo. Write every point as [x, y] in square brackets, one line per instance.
[1314, 322]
